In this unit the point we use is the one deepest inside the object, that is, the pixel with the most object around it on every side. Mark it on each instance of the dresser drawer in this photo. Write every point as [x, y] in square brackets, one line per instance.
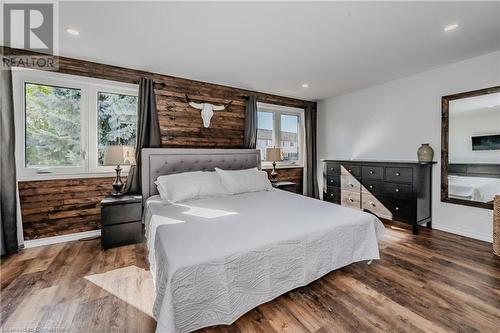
[398, 190]
[350, 199]
[332, 168]
[121, 213]
[373, 186]
[399, 174]
[121, 234]
[354, 170]
[332, 194]
[372, 172]
[348, 182]
[373, 205]
[402, 210]
[333, 180]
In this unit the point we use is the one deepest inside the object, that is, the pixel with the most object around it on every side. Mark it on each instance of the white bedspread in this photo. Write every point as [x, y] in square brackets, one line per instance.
[473, 188]
[215, 259]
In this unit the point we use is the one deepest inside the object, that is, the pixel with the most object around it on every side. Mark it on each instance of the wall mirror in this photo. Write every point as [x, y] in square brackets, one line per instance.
[470, 147]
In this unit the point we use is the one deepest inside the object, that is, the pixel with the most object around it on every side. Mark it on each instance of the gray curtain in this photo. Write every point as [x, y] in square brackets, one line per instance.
[148, 132]
[250, 134]
[8, 186]
[312, 189]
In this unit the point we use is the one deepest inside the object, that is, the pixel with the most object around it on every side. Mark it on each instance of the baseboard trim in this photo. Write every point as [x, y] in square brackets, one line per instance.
[61, 239]
[465, 233]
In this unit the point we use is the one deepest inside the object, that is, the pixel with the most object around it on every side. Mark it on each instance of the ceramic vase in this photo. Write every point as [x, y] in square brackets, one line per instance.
[425, 153]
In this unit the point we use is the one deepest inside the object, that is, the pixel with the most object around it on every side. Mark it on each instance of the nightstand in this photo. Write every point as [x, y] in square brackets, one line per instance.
[121, 221]
[286, 186]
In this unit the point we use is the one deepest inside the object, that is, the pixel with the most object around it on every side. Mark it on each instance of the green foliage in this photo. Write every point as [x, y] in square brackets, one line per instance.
[53, 129]
[117, 121]
[52, 126]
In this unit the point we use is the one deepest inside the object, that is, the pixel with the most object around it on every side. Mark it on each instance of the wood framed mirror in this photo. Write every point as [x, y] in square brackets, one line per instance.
[470, 147]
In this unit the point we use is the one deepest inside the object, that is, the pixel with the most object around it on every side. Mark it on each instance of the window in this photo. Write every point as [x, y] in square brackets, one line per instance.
[117, 120]
[280, 126]
[64, 123]
[52, 126]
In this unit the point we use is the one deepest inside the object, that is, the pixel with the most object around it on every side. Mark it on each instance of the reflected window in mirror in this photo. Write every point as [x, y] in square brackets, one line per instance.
[471, 147]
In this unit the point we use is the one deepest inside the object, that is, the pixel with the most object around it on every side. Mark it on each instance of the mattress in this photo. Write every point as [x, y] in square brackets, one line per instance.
[214, 259]
[473, 188]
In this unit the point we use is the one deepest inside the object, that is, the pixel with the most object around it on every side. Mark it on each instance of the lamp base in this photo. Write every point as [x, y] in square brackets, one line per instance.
[117, 184]
[274, 174]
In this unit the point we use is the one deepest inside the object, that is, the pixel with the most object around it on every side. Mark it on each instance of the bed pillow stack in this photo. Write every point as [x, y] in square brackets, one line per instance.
[203, 184]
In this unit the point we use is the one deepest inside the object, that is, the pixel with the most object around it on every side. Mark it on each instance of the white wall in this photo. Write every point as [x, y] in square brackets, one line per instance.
[391, 120]
[465, 125]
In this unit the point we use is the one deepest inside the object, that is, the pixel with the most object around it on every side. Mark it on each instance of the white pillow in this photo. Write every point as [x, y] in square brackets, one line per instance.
[161, 191]
[189, 186]
[241, 181]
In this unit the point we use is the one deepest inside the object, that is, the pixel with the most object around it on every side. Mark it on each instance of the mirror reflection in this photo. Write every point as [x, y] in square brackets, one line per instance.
[474, 148]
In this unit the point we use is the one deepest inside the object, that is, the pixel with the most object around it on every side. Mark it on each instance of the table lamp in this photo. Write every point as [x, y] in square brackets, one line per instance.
[119, 155]
[274, 154]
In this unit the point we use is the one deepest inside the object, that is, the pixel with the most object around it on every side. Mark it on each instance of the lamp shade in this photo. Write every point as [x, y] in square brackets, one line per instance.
[119, 155]
[274, 154]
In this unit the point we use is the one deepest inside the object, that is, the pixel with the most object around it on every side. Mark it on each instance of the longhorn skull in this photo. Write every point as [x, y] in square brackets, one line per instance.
[207, 109]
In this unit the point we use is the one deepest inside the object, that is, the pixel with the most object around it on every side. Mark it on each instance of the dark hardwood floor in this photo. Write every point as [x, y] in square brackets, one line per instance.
[433, 282]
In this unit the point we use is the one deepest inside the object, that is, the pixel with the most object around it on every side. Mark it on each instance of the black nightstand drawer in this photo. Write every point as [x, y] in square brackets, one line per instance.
[286, 186]
[121, 234]
[121, 213]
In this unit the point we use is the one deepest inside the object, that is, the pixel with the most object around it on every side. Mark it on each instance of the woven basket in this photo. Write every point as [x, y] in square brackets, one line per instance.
[496, 226]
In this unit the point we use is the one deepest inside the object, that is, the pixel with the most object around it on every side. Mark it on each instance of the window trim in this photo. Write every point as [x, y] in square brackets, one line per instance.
[279, 110]
[89, 88]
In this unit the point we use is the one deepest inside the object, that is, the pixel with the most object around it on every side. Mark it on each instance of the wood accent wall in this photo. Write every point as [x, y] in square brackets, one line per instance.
[58, 207]
[180, 125]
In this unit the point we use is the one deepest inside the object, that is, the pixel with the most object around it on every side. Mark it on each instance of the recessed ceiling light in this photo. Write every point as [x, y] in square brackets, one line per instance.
[305, 85]
[451, 27]
[73, 32]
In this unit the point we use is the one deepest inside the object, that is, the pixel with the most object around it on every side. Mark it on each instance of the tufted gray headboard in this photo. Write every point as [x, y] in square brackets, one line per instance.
[165, 161]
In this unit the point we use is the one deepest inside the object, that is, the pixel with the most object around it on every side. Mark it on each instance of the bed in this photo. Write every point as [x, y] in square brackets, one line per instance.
[214, 259]
[480, 189]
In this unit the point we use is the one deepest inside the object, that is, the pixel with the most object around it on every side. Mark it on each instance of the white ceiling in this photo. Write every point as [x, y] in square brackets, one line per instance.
[335, 47]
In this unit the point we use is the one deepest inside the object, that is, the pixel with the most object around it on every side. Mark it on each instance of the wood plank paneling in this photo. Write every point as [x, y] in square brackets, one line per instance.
[180, 126]
[59, 207]
[434, 282]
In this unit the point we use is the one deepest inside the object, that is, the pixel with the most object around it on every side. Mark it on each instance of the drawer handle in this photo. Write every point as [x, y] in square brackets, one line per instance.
[349, 170]
[331, 194]
[397, 208]
[371, 186]
[351, 185]
[398, 174]
[331, 180]
[397, 190]
[373, 204]
[332, 169]
[351, 200]
[371, 172]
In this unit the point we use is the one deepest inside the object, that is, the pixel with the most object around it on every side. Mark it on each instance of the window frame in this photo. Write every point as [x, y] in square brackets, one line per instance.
[277, 111]
[89, 88]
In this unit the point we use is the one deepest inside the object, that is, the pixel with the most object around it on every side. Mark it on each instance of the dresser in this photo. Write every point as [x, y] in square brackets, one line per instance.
[393, 190]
